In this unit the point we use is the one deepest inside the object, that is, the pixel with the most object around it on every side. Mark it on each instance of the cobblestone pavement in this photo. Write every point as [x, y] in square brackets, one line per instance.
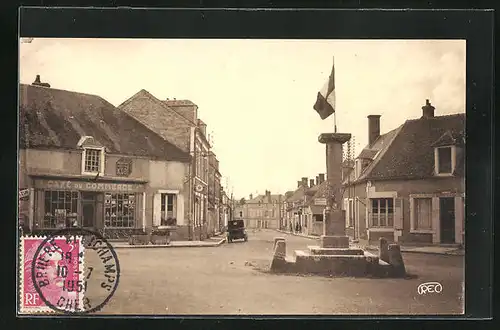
[233, 279]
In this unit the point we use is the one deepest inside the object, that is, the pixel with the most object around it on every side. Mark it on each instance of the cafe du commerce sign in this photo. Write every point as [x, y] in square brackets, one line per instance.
[88, 186]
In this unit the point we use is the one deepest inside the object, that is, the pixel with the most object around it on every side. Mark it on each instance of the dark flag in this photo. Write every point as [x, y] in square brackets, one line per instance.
[325, 102]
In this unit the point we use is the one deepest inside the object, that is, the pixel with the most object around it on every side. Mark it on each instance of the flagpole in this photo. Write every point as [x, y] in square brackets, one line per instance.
[335, 121]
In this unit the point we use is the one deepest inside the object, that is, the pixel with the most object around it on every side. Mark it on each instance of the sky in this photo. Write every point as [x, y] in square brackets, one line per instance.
[257, 96]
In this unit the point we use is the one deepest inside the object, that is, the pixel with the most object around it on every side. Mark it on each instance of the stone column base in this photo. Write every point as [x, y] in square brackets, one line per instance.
[327, 241]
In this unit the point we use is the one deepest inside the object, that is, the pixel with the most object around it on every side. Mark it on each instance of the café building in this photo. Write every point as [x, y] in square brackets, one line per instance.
[85, 163]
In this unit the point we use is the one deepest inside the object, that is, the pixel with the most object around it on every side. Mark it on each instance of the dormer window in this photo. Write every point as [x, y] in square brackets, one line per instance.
[92, 160]
[444, 160]
[447, 149]
[92, 156]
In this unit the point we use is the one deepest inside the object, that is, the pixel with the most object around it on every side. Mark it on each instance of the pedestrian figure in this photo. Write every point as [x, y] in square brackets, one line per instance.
[297, 227]
[291, 227]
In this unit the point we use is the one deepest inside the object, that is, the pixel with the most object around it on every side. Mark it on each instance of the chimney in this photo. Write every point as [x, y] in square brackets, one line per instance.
[299, 183]
[304, 181]
[311, 183]
[37, 82]
[317, 180]
[427, 110]
[268, 196]
[321, 177]
[373, 128]
[251, 196]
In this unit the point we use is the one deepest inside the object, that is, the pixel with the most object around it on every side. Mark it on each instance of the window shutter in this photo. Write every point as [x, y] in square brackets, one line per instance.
[413, 219]
[398, 213]
[156, 209]
[368, 213]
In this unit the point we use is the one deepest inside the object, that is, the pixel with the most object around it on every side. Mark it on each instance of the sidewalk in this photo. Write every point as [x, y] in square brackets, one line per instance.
[210, 242]
[363, 244]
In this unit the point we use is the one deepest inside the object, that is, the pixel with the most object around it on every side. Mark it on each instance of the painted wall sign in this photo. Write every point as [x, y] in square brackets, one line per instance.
[89, 186]
[123, 167]
[24, 193]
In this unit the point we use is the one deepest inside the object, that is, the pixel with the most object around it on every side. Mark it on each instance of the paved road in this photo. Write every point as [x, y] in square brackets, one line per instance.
[231, 279]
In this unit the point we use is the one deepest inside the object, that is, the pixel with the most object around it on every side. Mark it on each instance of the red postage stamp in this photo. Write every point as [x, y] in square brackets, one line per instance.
[51, 274]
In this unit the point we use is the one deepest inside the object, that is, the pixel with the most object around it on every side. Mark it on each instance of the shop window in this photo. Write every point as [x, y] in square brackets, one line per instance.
[382, 212]
[60, 209]
[168, 209]
[119, 210]
[423, 213]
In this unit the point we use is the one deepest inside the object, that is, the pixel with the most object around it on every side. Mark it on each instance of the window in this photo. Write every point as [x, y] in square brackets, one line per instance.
[266, 214]
[241, 214]
[93, 159]
[382, 212]
[60, 209]
[205, 169]
[423, 212]
[168, 210]
[318, 217]
[119, 210]
[444, 160]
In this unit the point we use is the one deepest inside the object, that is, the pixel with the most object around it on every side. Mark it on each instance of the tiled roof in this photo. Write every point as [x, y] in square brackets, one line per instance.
[311, 191]
[53, 118]
[368, 154]
[322, 191]
[177, 103]
[410, 155]
[263, 199]
[297, 194]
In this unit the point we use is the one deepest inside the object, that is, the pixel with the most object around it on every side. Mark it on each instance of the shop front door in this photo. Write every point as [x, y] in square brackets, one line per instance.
[89, 200]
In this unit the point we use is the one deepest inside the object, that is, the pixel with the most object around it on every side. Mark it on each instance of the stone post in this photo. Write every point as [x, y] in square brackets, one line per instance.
[396, 260]
[334, 222]
[383, 250]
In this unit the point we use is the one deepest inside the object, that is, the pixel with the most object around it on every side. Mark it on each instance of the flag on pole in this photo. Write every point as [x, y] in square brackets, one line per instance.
[325, 102]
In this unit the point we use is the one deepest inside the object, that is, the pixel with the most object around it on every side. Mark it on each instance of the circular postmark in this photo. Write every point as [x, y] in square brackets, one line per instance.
[75, 271]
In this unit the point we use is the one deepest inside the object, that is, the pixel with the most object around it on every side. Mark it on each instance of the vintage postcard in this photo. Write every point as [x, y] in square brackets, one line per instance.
[241, 176]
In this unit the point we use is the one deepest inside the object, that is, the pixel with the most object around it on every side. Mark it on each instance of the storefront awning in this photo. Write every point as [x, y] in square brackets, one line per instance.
[317, 209]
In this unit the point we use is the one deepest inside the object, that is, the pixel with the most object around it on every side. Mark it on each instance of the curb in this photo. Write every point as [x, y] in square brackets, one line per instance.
[299, 235]
[152, 246]
[403, 250]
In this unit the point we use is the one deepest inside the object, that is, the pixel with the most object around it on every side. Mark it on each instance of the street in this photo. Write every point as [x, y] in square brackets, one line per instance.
[233, 279]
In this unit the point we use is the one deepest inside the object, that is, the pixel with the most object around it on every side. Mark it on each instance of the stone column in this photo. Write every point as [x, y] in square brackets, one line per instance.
[334, 222]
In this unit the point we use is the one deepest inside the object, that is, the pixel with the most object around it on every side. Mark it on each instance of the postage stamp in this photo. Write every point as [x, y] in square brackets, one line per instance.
[57, 264]
[72, 271]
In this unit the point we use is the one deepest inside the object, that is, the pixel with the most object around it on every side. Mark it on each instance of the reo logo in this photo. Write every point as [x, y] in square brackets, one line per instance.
[429, 287]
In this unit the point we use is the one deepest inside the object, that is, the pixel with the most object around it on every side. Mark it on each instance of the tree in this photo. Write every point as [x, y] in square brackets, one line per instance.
[242, 201]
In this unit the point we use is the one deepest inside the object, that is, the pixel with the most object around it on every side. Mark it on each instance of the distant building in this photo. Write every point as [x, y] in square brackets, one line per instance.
[408, 185]
[299, 210]
[215, 222]
[262, 211]
[84, 163]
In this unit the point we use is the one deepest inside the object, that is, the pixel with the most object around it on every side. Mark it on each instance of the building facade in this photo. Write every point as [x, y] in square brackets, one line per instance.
[408, 185]
[84, 163]
[177, 121]
[214, 196]
[262, 211]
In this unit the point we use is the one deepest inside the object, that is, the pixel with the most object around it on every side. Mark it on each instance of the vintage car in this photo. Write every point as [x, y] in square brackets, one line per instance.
[236, 230]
